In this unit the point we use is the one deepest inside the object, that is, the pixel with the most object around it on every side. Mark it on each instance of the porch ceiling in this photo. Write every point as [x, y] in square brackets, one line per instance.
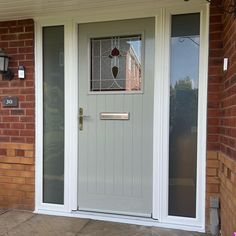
[21, 9]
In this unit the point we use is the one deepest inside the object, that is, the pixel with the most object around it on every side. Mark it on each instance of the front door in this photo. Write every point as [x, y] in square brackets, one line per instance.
[116, 85]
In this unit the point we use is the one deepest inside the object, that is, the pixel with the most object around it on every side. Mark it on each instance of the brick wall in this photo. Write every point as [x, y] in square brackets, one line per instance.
[214, 89]
[221, 163]
[16, 175]
[227, 155]
[228, 96]
[17, 125]
[227, 175]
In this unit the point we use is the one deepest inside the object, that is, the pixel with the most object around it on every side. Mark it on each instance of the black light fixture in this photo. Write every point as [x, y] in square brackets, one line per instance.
[230, 9]
[4, 70]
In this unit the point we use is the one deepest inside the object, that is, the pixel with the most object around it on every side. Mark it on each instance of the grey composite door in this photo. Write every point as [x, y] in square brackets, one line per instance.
[116, 83]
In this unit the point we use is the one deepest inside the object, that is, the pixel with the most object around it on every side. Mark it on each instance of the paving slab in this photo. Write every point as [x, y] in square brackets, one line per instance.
[102, 228]
[168, 232]
[21, 223]
[2, 211]
[12, 219]
[44, 225]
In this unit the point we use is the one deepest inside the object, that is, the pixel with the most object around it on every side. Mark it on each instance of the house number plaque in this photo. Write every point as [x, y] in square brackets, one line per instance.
[10, 101]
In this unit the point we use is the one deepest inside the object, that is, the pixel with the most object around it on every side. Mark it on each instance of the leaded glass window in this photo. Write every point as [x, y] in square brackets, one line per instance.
[116, 63]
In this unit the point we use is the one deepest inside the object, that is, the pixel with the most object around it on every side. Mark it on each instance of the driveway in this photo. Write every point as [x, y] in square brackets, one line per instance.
[24, 223]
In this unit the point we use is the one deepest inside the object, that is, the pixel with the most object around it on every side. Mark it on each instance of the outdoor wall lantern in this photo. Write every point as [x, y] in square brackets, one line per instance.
[4, 70]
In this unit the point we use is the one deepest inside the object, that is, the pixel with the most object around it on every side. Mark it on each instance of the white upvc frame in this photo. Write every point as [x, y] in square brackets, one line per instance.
[161, 116]
[199, 221]
[70, 92]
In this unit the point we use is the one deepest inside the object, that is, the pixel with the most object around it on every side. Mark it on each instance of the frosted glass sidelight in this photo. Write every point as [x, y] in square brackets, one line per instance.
[53, 114]
[184, 77]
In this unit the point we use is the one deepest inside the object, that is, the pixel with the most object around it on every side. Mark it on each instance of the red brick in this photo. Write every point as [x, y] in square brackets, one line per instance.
[10, 119]
[222, 107]
[3, 152]
[27, 119]
[8, 37]
[10, 91]
[17, 126]
[30, 112]
[30, 98]
[8, 23]
[17, 83]
[17, 29]
[29, 28]
[27, 105]
[4, 30]
[26, 50]
[29, 42]
[17, 139]
[4, 44]
[5, 139]
[10, 132]
[20, 152]
[26, 36]
[25, 22]
[19, 43]
[29, 56]
[29, 133]
[5, 125]
[27, 91]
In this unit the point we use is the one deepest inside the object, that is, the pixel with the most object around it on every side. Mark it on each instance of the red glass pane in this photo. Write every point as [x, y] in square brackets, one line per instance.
[115, 52]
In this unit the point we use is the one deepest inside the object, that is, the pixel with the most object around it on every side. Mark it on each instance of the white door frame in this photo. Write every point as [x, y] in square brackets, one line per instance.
[161, 116]
[202, 117]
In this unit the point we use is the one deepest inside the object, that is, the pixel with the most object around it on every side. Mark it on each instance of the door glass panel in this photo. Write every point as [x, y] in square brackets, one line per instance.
[184, 79]
[53, 114]
[116, 63]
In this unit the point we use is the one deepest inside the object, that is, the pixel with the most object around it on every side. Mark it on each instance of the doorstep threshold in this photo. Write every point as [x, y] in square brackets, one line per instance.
[134, 220]
[112, 216]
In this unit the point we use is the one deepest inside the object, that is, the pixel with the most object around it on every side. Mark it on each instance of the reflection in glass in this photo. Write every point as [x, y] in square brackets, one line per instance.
[53, 114]
[116, 63]
[183, 114]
